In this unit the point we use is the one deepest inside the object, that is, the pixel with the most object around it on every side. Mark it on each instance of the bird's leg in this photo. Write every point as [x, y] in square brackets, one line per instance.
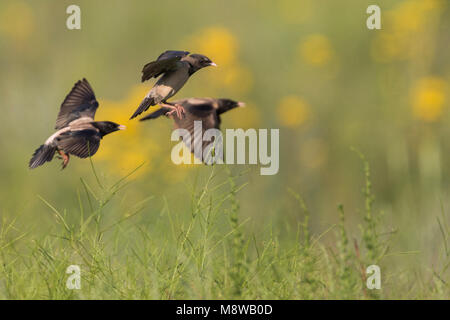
[176, 108]
[64, 157]
[179, 110]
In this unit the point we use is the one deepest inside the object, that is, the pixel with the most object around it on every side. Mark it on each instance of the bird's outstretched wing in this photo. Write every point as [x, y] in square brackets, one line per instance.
[82, 143]
[166, 61]
[198, 109]
[80, 102]
[42, 154]
[204, 109]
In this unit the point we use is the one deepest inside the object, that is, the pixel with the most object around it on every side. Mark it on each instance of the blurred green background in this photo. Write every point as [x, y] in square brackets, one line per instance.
[310, 68]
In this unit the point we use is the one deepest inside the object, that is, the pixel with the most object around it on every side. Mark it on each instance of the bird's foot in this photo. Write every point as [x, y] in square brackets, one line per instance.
[178, 109]
[65, 158]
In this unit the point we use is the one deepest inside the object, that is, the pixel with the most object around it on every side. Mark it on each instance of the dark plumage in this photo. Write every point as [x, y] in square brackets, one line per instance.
[175, 68]
[206, 110]
[78, 134]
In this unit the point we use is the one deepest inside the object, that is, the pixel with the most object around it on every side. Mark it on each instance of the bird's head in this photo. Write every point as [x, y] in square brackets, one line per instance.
[199, 61]
[228, 104]
[106, 127]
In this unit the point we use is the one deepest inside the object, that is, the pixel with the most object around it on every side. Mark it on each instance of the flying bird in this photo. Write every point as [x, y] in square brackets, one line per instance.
[77, 133]
[175, 67]
[206, 110]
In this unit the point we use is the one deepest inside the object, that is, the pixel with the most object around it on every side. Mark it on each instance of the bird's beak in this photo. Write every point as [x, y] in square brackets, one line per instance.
[241, 104]
[122, 127]
[213, 64]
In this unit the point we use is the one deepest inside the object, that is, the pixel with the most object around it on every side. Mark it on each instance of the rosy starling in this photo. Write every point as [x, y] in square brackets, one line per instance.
[206, 110]
[77, 132]
[175, 67]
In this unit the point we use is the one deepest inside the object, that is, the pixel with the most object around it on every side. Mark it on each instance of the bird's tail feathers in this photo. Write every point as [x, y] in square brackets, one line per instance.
[145, 104]
[42, 154]
[160, 112]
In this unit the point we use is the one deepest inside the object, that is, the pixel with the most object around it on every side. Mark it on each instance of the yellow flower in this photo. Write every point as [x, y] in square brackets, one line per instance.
[217, 43]
[293, 111]
[221, 46]
[389, 46]
[126, 150]
[401, 29]
[428, 98]
[411, 16]
[17, 22]
[316, 50]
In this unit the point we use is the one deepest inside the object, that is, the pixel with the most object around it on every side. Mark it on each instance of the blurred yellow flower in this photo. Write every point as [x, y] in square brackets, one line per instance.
[221, 46]
[413, 14]
[124, 151]
[17, 22]
[428, 98]
[316, 50]
[401, 28]
[218, 43]
[293, 111]
[389, 46]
